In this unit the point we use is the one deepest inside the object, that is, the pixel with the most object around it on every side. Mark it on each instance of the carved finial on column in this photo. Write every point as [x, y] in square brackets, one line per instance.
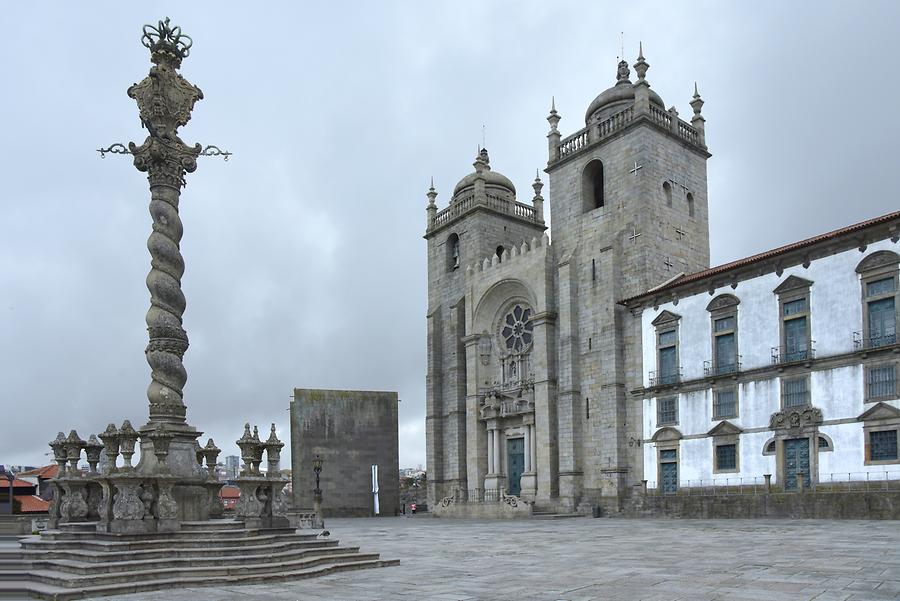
[92, 449]
[245, 444]
[273, 453]
[698, 121]
[58, 445]
[553, 136]
[211, 454]
[538, 200]
[641, 66]
[431, 209]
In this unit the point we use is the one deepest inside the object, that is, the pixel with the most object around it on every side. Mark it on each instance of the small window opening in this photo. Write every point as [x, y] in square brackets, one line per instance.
[587, 408]
[690, 203]
[593, 270]
[500, 253]
[667, 190]
[592, 186]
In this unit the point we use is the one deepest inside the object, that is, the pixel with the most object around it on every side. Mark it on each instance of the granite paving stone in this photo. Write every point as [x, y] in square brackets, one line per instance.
[585, 559]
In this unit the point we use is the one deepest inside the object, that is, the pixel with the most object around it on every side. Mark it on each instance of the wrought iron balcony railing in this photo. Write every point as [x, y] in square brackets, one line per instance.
[860, 342]
[780, 355]
[720, 369]
[666, 378]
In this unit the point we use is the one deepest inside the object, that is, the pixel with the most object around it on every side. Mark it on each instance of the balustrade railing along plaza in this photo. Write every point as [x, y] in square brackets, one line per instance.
[838, 482]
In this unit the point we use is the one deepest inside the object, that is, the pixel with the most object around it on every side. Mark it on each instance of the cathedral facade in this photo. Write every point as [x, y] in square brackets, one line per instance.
[540, 353]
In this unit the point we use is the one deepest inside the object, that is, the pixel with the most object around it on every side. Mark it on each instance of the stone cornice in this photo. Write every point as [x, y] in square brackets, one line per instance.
[801, 253]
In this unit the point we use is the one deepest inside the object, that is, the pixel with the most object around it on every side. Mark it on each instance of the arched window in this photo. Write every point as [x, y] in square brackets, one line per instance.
[690, 203]
[453, 252]
[667, 190]
[500, 250]
[592, 186]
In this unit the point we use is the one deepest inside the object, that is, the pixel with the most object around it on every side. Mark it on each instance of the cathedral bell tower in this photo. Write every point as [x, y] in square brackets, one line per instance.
[629, 210]
[483, 219]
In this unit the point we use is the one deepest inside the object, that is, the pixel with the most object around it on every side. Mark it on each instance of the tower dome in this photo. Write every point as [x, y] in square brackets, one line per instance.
[618, 97]
[493, 180]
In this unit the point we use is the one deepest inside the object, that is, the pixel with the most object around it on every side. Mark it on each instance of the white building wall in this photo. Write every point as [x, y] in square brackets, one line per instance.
[835, 314]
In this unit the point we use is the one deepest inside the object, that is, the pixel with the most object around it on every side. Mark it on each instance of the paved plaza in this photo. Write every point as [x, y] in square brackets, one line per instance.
[583, 559]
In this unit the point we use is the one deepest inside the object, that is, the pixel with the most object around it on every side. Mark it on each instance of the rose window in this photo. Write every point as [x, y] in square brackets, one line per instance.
[517, 329]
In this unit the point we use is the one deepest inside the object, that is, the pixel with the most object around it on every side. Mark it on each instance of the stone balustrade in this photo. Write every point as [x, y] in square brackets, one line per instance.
[601, 130]
[120, 498]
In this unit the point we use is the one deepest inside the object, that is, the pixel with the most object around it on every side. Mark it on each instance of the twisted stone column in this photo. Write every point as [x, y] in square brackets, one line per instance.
[165, 100]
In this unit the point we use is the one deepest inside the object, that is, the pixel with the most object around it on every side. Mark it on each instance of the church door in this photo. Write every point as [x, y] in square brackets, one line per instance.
[515, 463]
[668, 471]
[796, 462]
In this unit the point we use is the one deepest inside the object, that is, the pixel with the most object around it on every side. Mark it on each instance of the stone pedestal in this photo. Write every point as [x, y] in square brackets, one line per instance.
[528, 485]
[262, 504]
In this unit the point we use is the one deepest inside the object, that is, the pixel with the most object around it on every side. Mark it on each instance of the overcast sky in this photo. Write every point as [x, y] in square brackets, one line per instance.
[305, 260]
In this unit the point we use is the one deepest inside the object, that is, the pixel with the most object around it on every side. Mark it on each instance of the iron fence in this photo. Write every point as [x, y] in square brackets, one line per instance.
[838, 482]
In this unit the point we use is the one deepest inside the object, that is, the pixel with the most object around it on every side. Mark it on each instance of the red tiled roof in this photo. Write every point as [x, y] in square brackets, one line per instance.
[4, 484]
[230, 492]
[46, 472]
[699, 275]
[32, 504]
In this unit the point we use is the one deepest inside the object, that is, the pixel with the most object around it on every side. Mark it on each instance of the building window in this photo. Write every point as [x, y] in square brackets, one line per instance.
[726, 457]
[499, 252]
[592, 186]
[725, 403]
[795, 392]
[690, 204]
[723, 313]
[793, 302]
[453, 252]
[883, 445]
[881, 312]
[825, 444]
[667, 192]
[879, 278]
[668, 356]
[769, 448]
[881, 382]
[667, 411]
[667, 366]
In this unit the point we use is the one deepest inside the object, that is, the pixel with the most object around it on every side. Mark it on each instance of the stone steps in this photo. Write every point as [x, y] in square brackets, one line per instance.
[75, 562]
[41, 590]
[70, 580]
[111, 543]
[219, 551]
[79, 566]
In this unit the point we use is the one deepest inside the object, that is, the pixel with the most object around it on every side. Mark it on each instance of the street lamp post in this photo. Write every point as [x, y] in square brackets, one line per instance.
[317, 492]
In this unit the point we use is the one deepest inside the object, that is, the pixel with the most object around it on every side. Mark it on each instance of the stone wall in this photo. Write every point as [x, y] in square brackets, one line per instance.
[15, 525]
[879, 505]
[351, 430]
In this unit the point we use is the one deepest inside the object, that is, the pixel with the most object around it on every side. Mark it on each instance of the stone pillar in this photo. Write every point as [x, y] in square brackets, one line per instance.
[546, 456]
[477, 442]
[528, 448]
[165, 100]
[497, 463]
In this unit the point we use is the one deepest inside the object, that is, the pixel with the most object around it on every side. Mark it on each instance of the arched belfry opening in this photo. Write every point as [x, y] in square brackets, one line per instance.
[593, 191]
[453, 252]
